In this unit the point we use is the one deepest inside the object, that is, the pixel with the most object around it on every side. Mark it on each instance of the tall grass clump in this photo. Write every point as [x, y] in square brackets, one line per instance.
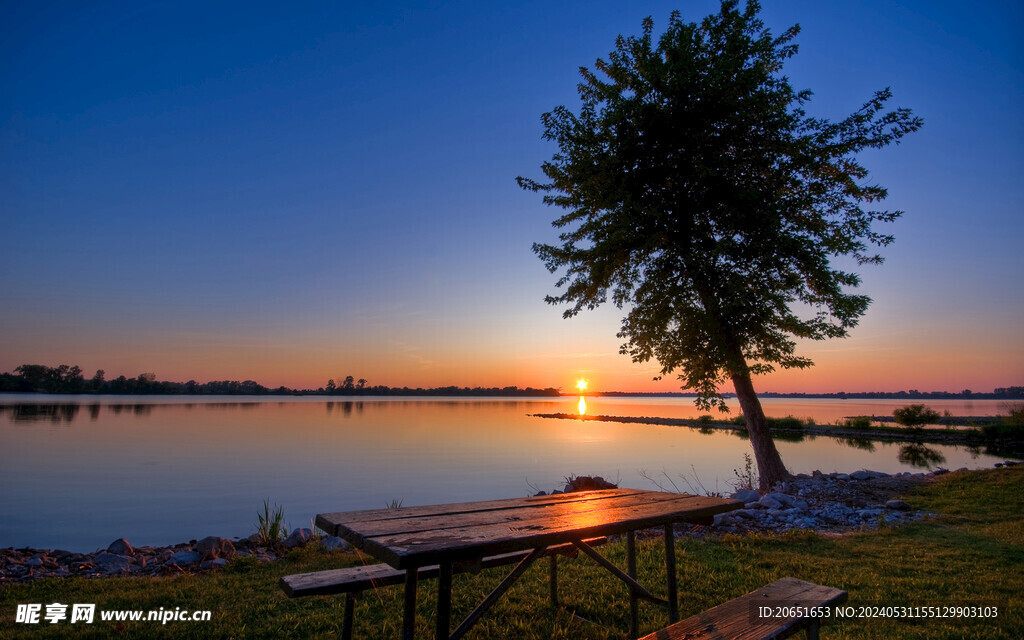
[270, 525]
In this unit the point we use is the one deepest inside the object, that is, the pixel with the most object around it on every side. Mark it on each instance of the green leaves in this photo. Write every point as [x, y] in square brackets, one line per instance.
[700, 197]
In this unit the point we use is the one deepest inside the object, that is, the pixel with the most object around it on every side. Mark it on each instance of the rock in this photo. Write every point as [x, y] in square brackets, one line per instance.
[297, 538]
[939, 471]
[746, 495]
[185, 558]
[842, 476]
[121, 547]
[112, 562]
[787, 500]
[769, 503]
[867, 475]
[1011, 463]
[587, 483]
[334, 543]
[541, 493]
[212, 547]
[867, 514]
[898, 505]
[216, 563]
[999, 465]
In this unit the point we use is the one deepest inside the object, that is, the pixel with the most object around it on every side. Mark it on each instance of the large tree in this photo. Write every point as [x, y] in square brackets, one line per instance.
[701, 197]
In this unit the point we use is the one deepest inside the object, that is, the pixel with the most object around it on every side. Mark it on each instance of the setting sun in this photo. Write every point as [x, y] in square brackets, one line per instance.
[581, 384]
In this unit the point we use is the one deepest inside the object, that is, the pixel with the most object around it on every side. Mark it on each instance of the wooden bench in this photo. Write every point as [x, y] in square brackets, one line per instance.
[354, 580]
[739, 619]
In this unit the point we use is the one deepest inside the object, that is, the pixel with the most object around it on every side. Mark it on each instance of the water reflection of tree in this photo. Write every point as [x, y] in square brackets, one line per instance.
[53, 413]
[859, 443]
[917, 454]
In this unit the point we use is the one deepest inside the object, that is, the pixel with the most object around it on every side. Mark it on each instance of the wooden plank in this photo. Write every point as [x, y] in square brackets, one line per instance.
[333, 519]
[361, 578]
[465, 543]
[733, 619]
[358, 532]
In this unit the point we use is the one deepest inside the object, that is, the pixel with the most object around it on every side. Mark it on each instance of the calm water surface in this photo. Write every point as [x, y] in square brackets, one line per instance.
[79, 472]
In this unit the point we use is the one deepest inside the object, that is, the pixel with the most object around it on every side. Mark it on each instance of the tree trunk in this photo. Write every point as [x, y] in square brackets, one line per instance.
[769, 464]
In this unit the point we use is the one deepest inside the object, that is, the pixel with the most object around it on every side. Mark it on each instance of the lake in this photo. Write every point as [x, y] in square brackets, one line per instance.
[80, 471]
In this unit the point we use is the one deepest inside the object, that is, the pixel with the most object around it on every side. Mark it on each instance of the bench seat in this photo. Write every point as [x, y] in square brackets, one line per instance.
[361, 578]
[737, 619]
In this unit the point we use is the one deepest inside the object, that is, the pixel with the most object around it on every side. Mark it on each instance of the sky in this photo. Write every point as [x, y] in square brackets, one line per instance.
[291, 192]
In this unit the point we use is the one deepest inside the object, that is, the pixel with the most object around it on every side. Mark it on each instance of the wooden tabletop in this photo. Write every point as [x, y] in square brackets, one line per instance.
[418, 536]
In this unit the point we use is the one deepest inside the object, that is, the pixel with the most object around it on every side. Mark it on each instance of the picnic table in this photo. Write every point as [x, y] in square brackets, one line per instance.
[454, 535]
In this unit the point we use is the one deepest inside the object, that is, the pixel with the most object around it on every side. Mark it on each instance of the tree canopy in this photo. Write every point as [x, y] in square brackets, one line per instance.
[700, 197]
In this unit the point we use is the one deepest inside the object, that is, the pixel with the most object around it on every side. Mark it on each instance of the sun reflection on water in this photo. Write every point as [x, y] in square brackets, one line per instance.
[583, 406]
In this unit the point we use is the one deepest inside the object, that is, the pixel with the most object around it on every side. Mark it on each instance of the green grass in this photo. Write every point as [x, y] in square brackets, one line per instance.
[973, 553]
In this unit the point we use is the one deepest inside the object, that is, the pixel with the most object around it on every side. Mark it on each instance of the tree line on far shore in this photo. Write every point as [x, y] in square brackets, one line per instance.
[37, 378]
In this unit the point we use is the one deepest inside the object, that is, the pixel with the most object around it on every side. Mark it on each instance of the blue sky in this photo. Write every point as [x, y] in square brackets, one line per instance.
[291, 193]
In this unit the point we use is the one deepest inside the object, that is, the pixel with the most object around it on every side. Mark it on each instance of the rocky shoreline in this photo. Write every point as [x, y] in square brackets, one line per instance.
[120, 558]
[832, 503]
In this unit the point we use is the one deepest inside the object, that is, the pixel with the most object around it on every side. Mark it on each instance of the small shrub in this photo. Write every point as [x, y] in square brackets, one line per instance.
[745, 479]
[705, 419]
[789, 422]
[858, 422]
[394, 504]
[915, 416]
[1014, 415]
[739, 421]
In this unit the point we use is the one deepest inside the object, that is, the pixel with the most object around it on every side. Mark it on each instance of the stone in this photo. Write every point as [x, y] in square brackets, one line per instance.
[999, 465]
[297, 538]
[746, 495]
[185, 557]
[898, 505]
[865, 474]
[842, 476]
[587, 483]
[1010, 463]
[769, 503]
[121, 547]
[334, 543]
[939, 471]
[216, 563]
[212, 547]
[867, 514]
[112, 562]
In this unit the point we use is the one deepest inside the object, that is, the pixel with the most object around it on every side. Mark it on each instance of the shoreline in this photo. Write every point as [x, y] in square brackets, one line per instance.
[833, 503]
[963, 437]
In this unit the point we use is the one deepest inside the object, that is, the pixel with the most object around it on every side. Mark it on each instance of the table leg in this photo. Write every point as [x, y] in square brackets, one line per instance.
[634, 613]
[346, 625]
[444, 601]
[553, 578]
[409, 617]
[670, 569]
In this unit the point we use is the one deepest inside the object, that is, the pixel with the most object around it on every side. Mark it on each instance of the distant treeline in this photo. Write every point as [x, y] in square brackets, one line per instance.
[37, 378]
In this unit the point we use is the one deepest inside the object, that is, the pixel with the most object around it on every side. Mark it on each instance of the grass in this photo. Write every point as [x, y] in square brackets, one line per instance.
[269, 526]
[973, 553]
